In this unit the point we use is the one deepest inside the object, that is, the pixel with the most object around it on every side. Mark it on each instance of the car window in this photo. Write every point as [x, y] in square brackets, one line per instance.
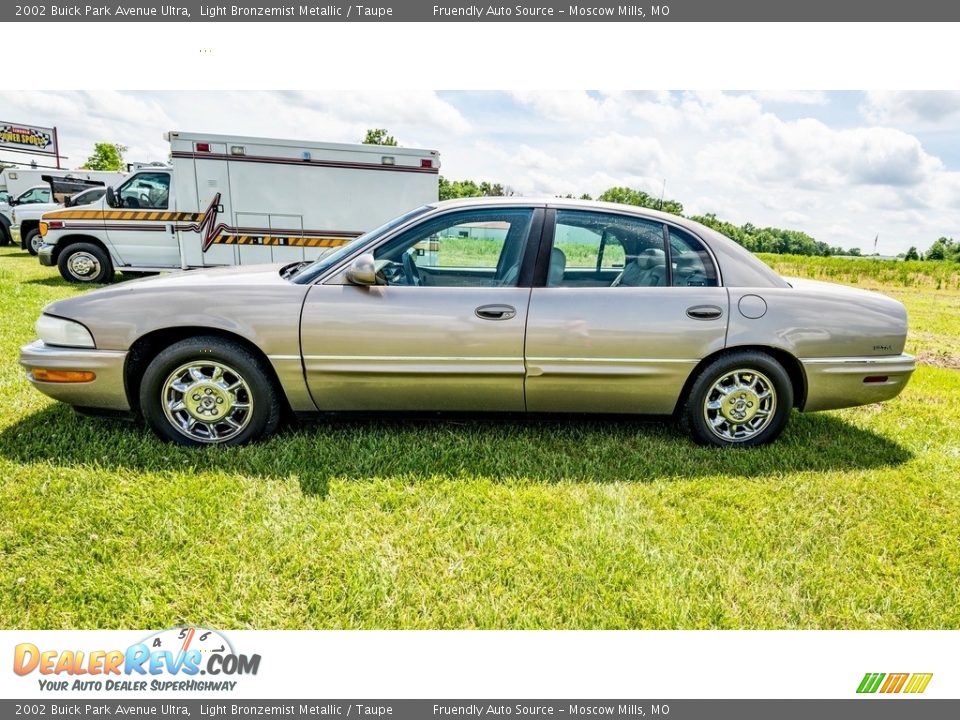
[34, 195]
[149, 191]
[692, 264]
[594, 249]
[463, 249]
[88, 196]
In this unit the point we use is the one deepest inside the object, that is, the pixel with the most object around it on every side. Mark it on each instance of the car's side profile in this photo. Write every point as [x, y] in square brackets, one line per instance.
[481, 305]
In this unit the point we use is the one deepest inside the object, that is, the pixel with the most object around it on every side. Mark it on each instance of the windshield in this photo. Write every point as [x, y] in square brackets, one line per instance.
[309, 273]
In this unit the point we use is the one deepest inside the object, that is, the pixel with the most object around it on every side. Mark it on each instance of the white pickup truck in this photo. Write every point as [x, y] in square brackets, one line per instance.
[25, 219]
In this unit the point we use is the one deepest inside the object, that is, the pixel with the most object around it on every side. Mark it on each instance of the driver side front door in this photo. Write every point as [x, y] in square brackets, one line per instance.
[442, 330]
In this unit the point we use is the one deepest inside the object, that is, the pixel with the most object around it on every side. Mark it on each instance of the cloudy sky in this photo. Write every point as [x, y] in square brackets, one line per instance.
[842, 166]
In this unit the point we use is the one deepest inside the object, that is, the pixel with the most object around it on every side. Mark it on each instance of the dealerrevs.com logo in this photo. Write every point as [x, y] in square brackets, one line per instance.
[181, 659]
[891, 683]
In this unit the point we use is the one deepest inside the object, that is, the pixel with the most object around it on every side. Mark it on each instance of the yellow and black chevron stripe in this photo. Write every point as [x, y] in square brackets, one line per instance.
[286, 241]
[157, 215]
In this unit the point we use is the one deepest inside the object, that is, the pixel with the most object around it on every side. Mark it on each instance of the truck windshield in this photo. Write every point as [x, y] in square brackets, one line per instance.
[308, 273]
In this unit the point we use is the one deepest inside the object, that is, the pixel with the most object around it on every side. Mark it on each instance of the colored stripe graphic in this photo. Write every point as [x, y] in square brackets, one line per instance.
[918, 683]
[894, 683]
[870, 682]
[274, 240]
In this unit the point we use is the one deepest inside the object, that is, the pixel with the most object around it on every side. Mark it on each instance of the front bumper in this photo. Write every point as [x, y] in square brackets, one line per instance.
[15, 234]
[45, 255]
[850, 381]
[106, 391]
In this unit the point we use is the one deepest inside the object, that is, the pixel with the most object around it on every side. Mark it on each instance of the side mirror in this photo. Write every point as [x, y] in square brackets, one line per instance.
[111, 197]
[362, 271]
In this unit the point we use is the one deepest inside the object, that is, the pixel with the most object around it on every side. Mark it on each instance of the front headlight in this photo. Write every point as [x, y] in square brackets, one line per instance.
[58, 331]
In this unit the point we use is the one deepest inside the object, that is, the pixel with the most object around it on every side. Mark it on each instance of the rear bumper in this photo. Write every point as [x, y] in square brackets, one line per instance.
[106, 391]
[850, 381]
[45, 255]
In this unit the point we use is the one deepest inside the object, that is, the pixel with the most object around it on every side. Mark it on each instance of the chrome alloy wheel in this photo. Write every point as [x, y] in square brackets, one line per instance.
[83, 265]
[207, 401]
[740, 404]
[35, 242]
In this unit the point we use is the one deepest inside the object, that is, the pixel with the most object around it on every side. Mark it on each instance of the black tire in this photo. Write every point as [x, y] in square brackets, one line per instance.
[85, 263]
[29, 239]
[713, 426]
[5, 238]
[259, 392]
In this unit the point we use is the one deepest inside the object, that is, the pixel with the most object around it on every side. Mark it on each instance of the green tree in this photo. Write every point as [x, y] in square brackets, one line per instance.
[912, 254]
[629, 196]
[106, 156]
[379, 136]
[943, 248]
[451, 189]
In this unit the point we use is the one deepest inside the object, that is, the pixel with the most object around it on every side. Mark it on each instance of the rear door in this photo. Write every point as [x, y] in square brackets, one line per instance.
[625, 317]
[444, 327]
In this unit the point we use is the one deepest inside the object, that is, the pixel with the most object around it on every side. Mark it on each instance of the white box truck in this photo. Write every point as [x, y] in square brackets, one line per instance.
[238, 200]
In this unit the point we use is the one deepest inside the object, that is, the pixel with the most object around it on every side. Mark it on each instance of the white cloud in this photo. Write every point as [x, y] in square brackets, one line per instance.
[911, 106]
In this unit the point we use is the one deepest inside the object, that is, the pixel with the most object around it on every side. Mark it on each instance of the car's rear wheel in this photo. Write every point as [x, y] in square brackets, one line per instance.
[741, 399]
[209, 391]
[85, 263]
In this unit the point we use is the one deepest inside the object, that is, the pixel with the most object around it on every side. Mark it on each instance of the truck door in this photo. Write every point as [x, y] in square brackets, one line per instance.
[212, 177]
[141, 226]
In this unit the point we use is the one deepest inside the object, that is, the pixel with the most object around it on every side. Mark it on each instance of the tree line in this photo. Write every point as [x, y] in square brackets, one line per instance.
[755, 239]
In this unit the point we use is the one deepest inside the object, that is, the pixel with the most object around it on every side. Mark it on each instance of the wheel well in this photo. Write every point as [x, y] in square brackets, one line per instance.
[793, 367]
[68, 240]
[28, 225]
[150, 345]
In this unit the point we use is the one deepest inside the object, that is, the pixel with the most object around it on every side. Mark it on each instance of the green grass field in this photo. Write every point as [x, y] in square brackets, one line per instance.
[851, 520]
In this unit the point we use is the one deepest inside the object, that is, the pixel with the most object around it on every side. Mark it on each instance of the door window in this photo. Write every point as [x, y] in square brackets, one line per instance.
[466, 249]
[592, 249]
[692, 264]
[149, 191]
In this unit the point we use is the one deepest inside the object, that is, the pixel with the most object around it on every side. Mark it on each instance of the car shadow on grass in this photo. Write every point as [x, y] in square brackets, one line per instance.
[595, 450]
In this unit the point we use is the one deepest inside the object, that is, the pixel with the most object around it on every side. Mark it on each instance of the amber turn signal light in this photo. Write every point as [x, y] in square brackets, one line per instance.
[63, 376]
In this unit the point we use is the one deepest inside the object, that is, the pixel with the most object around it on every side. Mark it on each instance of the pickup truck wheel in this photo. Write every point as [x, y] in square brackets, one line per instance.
[85, 263]
[5, 238]
[33, 240]
[742, 399]
[209, 391]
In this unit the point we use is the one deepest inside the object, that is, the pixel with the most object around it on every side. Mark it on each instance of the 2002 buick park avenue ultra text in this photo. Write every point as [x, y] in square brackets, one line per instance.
[480, 305]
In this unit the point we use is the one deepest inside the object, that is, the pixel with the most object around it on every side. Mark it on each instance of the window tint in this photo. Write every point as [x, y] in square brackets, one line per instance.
[692, 264]
[592, 249]
[150, 191]
[465, 249]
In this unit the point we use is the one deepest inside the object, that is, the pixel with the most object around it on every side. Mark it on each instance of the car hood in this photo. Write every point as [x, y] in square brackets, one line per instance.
[208, 281]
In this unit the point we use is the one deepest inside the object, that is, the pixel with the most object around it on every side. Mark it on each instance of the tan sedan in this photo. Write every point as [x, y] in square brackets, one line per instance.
[504, 304]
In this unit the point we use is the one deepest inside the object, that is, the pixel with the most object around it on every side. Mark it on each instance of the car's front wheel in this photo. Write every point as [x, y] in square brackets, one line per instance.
[740, 399]
[85, 263]
[209, 391]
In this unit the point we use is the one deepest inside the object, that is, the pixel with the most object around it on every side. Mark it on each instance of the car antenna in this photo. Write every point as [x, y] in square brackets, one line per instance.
[662, 190]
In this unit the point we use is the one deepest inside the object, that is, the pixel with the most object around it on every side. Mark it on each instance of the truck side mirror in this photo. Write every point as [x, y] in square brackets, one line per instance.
[111, 197]
[362, 271]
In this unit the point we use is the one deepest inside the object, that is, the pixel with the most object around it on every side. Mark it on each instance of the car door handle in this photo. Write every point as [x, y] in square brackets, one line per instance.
[704, 312]
[496, 312]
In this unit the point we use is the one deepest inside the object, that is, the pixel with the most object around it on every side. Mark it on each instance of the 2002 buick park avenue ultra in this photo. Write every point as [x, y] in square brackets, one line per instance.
[480, 305]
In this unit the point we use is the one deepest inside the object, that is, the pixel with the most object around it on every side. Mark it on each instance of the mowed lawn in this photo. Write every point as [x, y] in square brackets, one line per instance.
[851, 520]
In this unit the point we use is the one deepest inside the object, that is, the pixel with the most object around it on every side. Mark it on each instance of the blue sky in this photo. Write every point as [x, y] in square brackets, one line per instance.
[842, 166]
